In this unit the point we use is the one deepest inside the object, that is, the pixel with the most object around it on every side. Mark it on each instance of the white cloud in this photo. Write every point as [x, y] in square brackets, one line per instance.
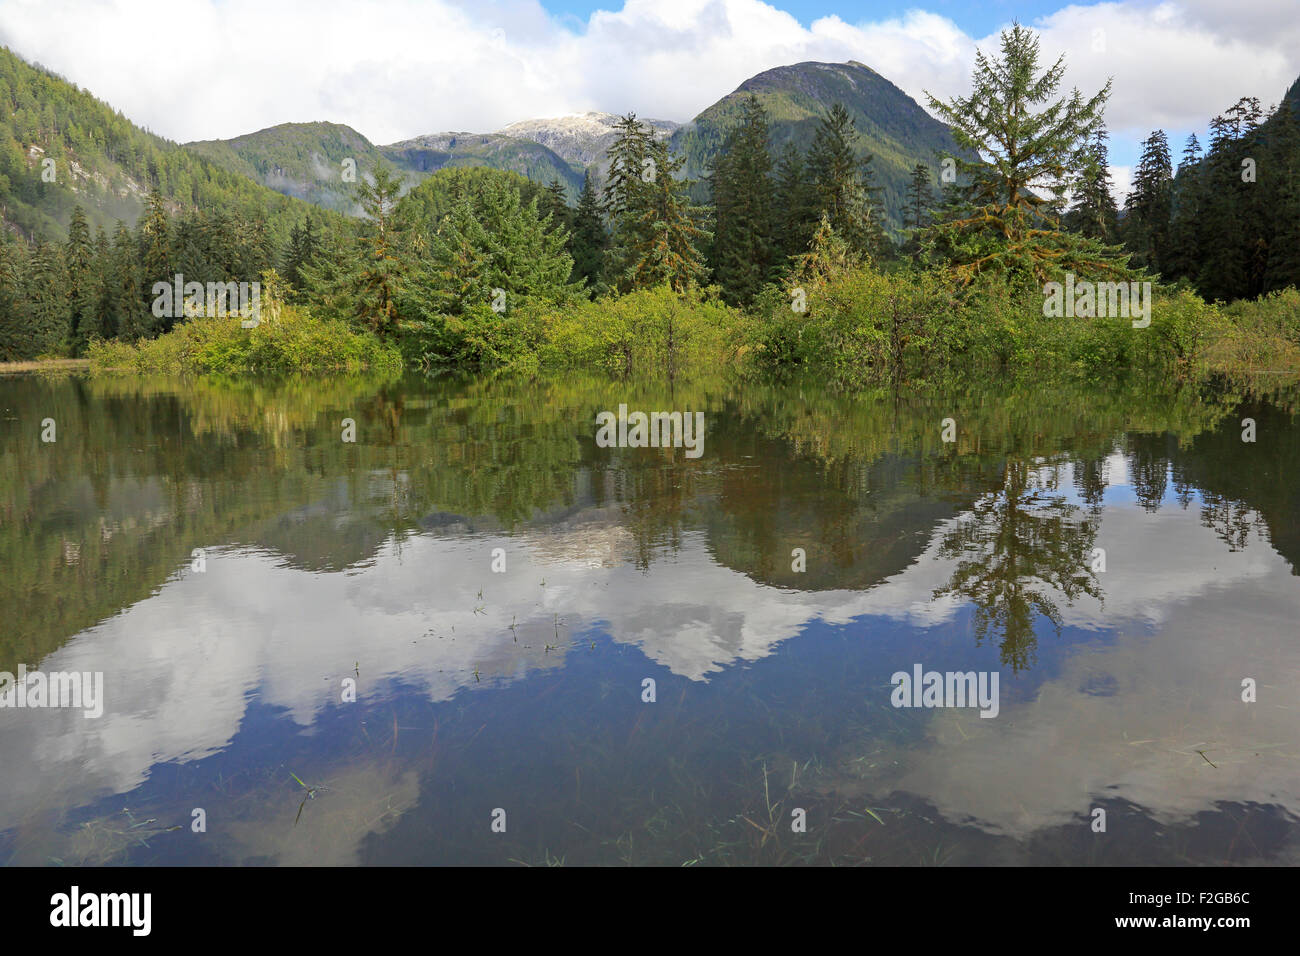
[397, 68]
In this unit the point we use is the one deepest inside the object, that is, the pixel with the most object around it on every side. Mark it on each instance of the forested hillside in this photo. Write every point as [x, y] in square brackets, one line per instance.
[100, 160]
[893, 129]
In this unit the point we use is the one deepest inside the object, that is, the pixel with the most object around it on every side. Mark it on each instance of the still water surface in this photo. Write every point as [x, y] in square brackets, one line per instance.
[1120, 558]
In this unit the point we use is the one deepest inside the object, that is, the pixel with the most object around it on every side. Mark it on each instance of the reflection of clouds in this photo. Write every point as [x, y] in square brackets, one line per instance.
[180, 666]
[1163, 697]
[363, 798]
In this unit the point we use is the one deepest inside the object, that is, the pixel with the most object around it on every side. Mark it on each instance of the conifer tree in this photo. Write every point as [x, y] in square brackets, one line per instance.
[589, 239]
[1033, 145]
[1149, 206]
[45, 300]
[155, 258]
[842, 185]
[665, 239]
[743, 247]
[792, 205]
[131, 319]
[920, 198]
[79, 255]
[1184, 223]
[556, 206]
[15, 338]
[1093, 212]
[625, 196]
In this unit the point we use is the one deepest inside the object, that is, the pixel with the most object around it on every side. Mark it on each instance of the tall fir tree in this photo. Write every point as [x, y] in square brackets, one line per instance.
[1187, 201]
[743, 239]
[1148, 209]
[589, 239]
[1093, 212]
[842, 184]
[83, 287]
[920, 198]
[1033, 149]
[155, 258]
[130, 317]
[666, 241]
[45, 300]
[626, 195]
[792, 205]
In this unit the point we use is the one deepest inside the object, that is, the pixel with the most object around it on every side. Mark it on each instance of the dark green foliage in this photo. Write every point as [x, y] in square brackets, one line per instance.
[841, 184]
[1149, 207]
[1093, 212]
[83, 282]
[1035, 150]
[304, 243]
[589, 240]
[920, 198]
[665, 240]
[792, 204]
[489, 243]
[42, 116]
[744, 247]
[1234, 229]
[654, 238]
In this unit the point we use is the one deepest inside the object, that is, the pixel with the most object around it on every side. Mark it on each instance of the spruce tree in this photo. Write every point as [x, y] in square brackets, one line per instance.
[15, 337]
[920, 198]
[1184, 222]
[376, 285]
[1149, 207]
[792, 205]
[665, 238]
[45, 300]
[1093, 212]
[83, 289]
[626, 194]
[744, 246]
[842, 185]
[155, 257]
[589, 239]
[556, 206]
[1033, 145]
[130, 318]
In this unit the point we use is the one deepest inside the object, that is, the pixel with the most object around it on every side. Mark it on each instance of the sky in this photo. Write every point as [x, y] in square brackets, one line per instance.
[394, 69]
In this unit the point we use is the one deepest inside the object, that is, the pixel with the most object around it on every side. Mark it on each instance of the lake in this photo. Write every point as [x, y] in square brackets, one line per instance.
[474, 635]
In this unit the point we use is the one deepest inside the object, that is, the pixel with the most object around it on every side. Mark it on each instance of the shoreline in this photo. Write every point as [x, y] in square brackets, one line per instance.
[46, 365]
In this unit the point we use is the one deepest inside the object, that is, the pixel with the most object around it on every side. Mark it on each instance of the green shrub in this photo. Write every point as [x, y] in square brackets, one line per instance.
[287, 339]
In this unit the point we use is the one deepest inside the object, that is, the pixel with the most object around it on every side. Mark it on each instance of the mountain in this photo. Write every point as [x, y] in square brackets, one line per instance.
[893, 127]
[104, 163]
[428, 154]
[581, 139]
[303, 160]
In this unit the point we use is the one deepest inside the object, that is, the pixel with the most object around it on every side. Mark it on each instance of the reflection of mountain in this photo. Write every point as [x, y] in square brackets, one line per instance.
[144, 473]
[185, 668]
[857, 522]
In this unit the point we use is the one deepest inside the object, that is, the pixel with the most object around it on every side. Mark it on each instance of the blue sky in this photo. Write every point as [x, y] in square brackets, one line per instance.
[396, 69]
[976, 17]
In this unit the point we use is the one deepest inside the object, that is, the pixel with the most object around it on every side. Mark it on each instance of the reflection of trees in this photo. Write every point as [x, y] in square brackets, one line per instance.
[1231, 520]
[1016, 546]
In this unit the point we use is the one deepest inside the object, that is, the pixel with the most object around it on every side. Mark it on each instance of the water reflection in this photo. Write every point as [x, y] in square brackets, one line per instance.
[324, 560]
